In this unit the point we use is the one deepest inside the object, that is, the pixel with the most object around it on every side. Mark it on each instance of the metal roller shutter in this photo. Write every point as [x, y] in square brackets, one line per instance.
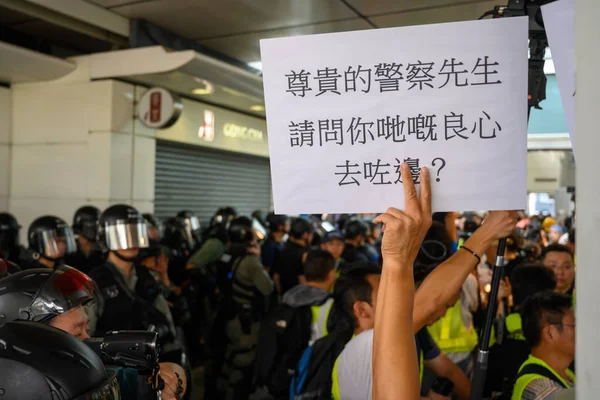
[202, 180]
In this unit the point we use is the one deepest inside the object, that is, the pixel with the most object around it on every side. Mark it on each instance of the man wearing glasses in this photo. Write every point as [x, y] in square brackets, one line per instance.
[549, 328]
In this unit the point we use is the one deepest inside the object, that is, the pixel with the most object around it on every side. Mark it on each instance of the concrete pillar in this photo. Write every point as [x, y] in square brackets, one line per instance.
[75, 143]
[587, 60]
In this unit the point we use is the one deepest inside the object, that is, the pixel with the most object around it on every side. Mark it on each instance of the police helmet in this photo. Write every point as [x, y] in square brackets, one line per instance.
[122, 227]
[223, 216]
[354, 228]
[241, 230]
[41, 362]
[9, 232]
[190, 219]
[40, 294]
[154, 223]
[85, 222]
[51, 238]
[300, 226]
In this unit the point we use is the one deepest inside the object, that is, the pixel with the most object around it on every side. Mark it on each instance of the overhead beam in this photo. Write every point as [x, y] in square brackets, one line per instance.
[77, 15]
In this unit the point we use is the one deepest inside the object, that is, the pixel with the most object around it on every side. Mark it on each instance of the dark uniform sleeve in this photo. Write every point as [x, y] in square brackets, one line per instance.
[259, 276]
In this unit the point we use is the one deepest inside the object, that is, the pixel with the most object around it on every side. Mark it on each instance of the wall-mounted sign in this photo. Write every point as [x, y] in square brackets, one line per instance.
[158, 108]
[207, 130]
[242, 132]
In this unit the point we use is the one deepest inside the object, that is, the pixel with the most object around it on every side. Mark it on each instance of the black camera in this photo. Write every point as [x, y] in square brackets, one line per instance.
[130, 349]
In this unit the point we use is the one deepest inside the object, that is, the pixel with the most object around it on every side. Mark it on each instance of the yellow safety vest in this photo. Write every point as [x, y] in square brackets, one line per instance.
[525, 380]
[514, 326]
[450, 333]
[320, 317]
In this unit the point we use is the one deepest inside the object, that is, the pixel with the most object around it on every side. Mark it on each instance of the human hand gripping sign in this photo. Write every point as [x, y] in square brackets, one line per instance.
[404, 231]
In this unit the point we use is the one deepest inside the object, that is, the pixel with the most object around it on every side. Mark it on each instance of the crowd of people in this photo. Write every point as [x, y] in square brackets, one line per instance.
[307, 307]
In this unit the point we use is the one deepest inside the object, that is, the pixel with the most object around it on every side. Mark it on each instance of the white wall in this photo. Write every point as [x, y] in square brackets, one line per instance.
[5, 133]
[77, 143]
[587, 102]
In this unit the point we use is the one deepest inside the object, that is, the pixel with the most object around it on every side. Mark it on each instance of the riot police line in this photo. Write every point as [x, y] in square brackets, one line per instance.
[253, 300]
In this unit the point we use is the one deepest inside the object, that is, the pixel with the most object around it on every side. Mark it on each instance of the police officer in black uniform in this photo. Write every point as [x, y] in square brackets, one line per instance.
[132, 299]
[355, 235]
[89, 254]
[9, 238]
[50, 240]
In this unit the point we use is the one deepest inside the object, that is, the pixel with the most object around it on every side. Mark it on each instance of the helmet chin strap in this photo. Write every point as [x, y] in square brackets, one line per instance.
[126, 259]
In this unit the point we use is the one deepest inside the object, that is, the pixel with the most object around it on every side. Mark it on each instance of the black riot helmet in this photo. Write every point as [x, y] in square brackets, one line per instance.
[9, 234]
[223, 216]
[51, 238]
[155, 226]
[241, 230]
[44, 363]
[40, 294]
[354, 228]
[85, 222]
[192, 230]
[122, 227]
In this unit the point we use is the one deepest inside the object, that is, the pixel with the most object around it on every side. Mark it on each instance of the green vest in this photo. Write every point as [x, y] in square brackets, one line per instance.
[450, 333]
[514, 326]
[522, 383]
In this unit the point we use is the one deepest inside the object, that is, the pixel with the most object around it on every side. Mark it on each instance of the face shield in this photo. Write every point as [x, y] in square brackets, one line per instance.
[108, 390]
[124, 235]
[57, 243]
[260, 232]
[65, 289]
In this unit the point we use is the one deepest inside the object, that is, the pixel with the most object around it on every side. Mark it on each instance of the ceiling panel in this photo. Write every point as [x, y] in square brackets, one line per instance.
[378, 7]
[113, 3]
[246, 47]
[9, 17]
[203, 19]
[454, 13]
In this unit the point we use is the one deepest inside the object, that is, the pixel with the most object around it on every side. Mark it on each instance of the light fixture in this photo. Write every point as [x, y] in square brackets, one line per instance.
[206, 88]
[201, 91]
[257, 107]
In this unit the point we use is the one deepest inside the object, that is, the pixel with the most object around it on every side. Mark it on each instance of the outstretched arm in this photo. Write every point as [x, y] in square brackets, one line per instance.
[395, 365]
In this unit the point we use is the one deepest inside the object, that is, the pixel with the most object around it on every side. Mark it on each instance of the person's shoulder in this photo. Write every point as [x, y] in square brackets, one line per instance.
[360, 345]
[100, 272]
[541, 389]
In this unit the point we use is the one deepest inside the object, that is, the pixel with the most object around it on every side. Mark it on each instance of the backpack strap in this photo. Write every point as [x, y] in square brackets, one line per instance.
[535, 369]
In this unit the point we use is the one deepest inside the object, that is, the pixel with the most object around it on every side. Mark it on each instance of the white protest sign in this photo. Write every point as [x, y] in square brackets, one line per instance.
[559, 22]
[345, 109]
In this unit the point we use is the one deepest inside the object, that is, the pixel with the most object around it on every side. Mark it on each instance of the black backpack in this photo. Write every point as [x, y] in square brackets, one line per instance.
[312, 380]
[283, 336]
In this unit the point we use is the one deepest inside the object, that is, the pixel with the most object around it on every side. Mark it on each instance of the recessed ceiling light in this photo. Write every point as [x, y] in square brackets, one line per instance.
[201, 91]
[257, 108]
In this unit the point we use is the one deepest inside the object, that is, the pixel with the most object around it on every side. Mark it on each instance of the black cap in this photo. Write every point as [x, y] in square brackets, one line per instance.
[333, 235]
[367, 267]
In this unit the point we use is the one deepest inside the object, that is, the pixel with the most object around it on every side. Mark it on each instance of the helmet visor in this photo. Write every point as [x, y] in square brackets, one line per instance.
[56, 243]
[65, 289]
[108, 390]
[193, 223]
[124, 235]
